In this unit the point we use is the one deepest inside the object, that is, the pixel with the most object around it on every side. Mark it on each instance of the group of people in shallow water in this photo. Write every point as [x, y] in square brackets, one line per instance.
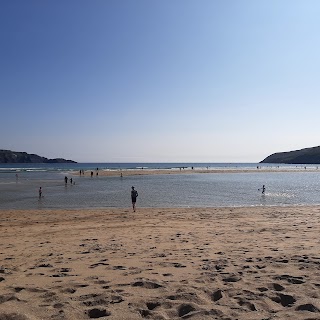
[81, 171]
[66, 181]
[134, 193]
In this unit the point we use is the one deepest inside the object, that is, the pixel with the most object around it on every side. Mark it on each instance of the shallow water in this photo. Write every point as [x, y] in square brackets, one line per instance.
[182, 190]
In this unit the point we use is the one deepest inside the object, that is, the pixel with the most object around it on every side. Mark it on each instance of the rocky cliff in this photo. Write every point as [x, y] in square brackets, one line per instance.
[8, 156]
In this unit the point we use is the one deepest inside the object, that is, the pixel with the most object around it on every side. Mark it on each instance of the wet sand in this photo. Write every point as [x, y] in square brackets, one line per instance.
[197, 263]
[140, 172]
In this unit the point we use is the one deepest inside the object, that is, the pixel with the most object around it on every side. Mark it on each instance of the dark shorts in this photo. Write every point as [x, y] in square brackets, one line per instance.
[134, 200]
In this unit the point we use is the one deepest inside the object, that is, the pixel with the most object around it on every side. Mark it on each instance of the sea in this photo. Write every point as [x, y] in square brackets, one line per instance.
[19, 185]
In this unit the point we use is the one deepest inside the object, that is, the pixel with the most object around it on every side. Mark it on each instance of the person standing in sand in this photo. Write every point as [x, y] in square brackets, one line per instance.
[40, 193]
[134, 195]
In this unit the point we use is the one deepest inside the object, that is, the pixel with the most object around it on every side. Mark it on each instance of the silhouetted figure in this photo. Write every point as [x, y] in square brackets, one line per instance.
[263, 189]
[134, 195]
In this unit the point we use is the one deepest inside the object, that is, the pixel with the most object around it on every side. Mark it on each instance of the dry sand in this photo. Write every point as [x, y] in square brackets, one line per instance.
[195, 263]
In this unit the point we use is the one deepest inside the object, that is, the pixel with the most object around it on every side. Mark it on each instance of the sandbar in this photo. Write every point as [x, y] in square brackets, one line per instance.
[140, 172]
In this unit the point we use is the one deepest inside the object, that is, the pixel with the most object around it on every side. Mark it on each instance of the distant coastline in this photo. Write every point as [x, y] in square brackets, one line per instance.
[8, 156]
[302, 156]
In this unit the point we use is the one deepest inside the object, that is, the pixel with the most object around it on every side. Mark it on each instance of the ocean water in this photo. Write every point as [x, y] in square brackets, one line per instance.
[296, 187]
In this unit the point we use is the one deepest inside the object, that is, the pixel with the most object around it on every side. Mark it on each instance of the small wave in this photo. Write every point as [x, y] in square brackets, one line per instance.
[281, 195]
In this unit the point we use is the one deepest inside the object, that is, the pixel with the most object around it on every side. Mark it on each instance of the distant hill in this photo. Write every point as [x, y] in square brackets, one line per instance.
[8, 156]
[303, 156]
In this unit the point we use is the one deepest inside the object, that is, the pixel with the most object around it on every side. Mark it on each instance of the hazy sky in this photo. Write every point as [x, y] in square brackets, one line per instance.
[159, 80]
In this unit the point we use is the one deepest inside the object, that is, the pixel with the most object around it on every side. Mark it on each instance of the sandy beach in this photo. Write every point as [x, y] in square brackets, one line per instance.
[140, 172]
[195, 263]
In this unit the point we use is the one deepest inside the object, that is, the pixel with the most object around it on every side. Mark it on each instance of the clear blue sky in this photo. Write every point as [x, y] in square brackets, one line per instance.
[159, 81]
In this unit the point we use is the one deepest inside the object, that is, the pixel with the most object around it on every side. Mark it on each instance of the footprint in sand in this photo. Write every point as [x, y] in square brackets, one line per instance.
[290, 279]
[12, 316]
[285, 300]
[98, 313]
[146, 284]
[307, 307]
[217, 295]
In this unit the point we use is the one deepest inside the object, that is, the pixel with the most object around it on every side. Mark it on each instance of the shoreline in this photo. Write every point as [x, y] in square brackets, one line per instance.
[137, 172]
[160, 263]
